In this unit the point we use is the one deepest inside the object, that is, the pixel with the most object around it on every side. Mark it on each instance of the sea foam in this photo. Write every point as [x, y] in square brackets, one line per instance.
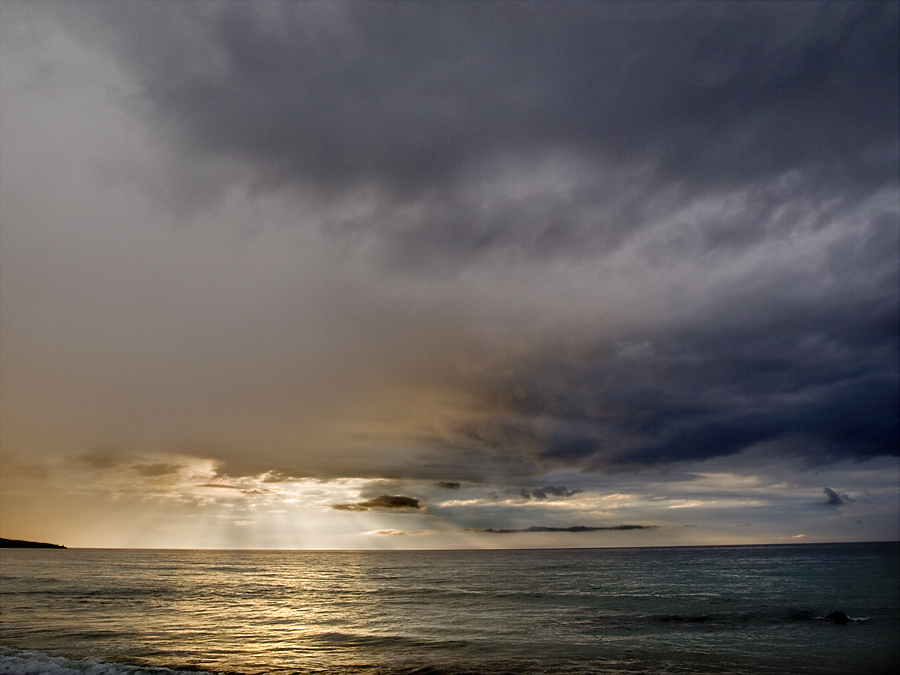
[13, 662]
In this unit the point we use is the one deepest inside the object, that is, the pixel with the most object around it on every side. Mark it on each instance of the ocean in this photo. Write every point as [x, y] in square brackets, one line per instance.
[723, 609]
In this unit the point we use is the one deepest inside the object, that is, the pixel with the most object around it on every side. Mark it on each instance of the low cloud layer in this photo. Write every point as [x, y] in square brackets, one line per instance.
[382, 502]
[571, 528]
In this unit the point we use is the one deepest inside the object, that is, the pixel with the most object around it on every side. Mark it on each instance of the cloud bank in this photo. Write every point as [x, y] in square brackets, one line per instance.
[726, 149]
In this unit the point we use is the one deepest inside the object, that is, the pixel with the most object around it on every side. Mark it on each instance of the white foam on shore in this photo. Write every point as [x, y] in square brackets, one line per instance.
[14, 662]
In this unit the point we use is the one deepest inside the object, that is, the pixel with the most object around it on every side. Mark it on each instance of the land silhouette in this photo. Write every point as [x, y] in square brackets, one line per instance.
[18, 543]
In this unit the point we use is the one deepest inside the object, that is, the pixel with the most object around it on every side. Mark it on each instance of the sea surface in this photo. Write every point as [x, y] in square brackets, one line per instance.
[735, 609]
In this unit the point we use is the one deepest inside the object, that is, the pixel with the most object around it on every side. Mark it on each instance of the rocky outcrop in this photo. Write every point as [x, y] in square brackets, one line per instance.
[838, 617]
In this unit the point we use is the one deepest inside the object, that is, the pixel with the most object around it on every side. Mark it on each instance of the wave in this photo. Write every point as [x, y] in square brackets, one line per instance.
[16, 662]
[29, 662]
[22, 662]
[352, 640]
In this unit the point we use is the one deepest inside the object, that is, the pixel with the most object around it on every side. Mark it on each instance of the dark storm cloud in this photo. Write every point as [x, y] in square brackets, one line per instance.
[425, 100]
[573, 528]
[834, 499]
[549, 491]
[445, 133]
[820, 377]
[447, 485]
[382, 502]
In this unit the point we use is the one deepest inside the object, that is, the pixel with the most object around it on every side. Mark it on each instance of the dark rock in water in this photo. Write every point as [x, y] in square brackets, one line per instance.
[17, 543]
[838, 617]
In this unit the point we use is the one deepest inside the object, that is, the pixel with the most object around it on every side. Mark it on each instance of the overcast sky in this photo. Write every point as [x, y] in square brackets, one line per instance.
[373, 274]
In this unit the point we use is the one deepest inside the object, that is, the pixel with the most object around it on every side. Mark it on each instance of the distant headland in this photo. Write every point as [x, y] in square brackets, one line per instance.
[16, 543]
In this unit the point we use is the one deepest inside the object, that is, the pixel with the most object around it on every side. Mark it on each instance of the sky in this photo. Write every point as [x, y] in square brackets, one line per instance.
[379, 275]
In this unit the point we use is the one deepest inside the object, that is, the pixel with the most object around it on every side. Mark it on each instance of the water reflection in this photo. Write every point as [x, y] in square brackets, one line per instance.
[578, 611]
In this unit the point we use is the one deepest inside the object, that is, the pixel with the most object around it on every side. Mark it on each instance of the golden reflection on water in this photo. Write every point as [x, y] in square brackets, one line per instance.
[267, 612]
[271, 609]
